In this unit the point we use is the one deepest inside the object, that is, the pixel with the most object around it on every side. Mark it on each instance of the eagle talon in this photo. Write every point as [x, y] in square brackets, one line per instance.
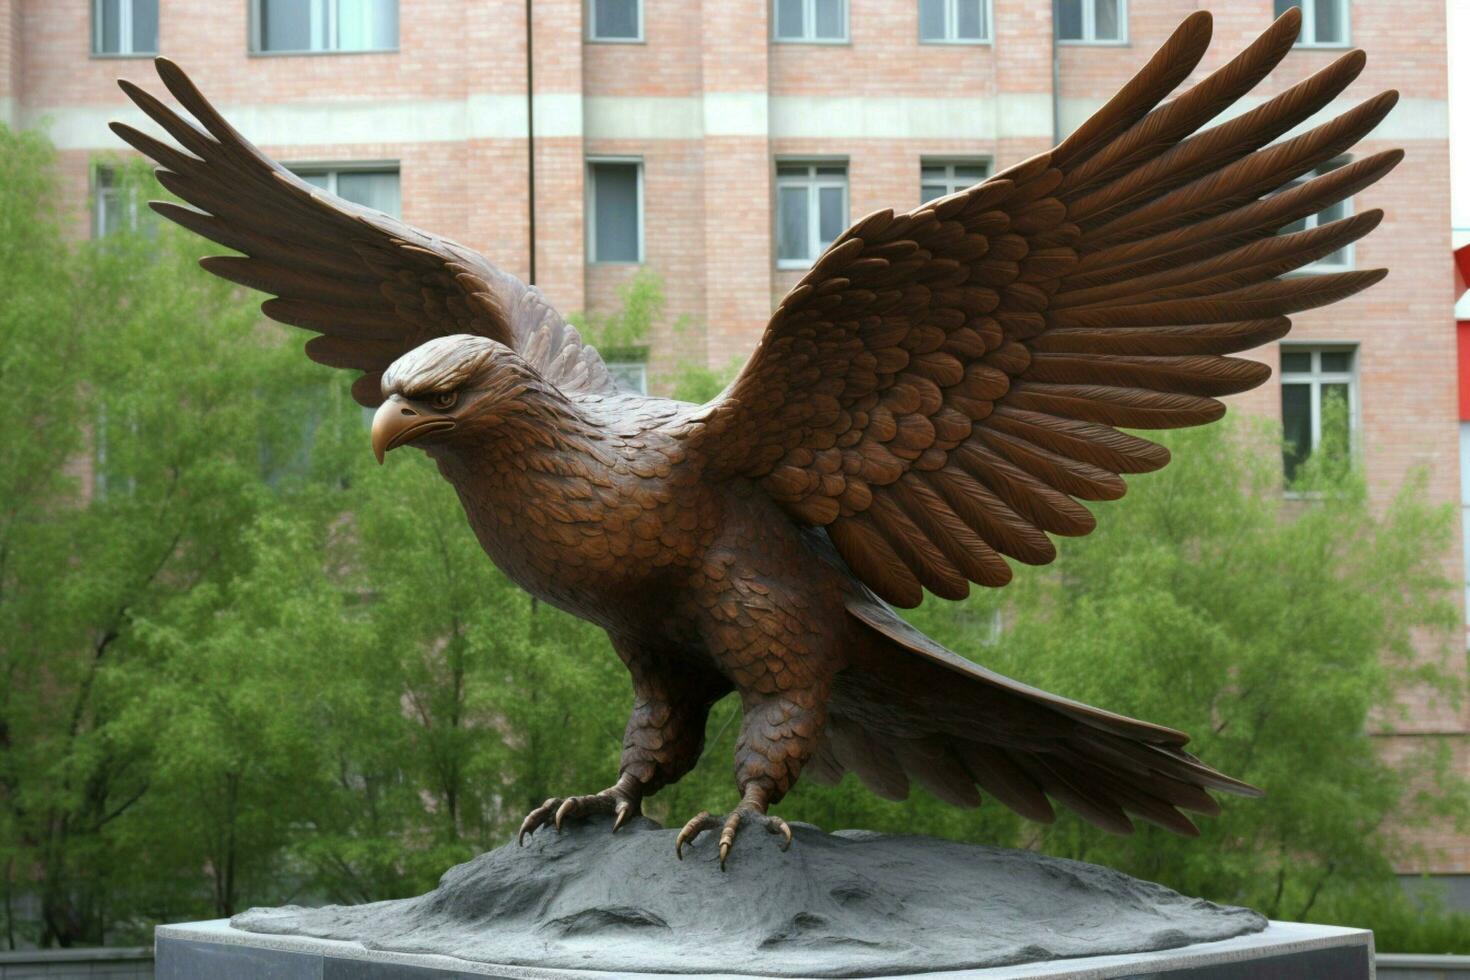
[623, 800]
[729, 827]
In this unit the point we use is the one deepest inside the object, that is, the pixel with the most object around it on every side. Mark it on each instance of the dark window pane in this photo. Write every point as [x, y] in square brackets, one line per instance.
[969, 19]
[1337, 360]
[145, 26]
[376, 189]
[285, 25]
[970, 173]
[829, 20]
[791, 224]
[1107, 24]
[1282, 6]
[931, 20]
[833, 215]
[1069, 20]
[1296, 361]
[789, 20]
[615, 19]
[833, 170]
[1296, 426]
[109, 18]
[615, 200]
[1331, 22]
[792, 170]
[317, 180]
[929, 192]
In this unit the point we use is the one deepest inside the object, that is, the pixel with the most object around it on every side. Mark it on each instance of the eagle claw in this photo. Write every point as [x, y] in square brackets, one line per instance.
[623, 800]
[703, 821]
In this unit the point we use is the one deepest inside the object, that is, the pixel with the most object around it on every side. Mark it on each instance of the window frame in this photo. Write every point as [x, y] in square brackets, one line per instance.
[590, 208]
[124, 33]
[335, 168]
[951, 20]
[1311, 221]
[589, 21]
[255, 40]
[1315, 378]
[1309, 25]
[949, 163]
[1089, 27]
[813, 183]
[809, 17]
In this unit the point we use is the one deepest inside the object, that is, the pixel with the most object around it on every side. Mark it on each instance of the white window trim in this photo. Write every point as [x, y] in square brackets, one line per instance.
[952, 183]
[257, 41]
[124, 33]
[1315, 377]
[1089, 27]
[1308, 36]
[1350, 256]
[951, 23]
[589, 18]
[590, 210]
[813, 183]
[809, 21]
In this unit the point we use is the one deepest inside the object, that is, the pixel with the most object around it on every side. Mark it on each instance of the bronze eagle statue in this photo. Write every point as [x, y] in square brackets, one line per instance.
[933, 398]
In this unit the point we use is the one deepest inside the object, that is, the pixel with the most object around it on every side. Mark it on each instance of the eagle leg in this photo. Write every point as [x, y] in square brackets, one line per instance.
[777, 736]
[662, 742]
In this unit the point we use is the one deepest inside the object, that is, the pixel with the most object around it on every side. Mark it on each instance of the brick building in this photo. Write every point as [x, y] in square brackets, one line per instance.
[722, 144]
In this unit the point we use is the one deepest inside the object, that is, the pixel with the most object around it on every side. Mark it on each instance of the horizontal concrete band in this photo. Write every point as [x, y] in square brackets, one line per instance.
[653, 118]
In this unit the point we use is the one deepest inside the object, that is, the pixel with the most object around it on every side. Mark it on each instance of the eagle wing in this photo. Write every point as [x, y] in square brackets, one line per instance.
[370, 285]
[943, 386]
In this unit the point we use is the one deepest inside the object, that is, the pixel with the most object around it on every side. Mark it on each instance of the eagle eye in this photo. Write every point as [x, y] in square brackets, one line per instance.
[444, 399]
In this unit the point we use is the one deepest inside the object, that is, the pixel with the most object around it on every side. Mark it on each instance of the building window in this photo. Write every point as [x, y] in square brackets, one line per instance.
[615, 20]
[1337, 261]
[1092, 21]
[614, 211]
[1324, 22]
[124, 27]
[813, 21]
[114, 207]
[940, 178]
[811, 210]
[372, 186]
[1318, 404]
[954, 21]
[303, 26]
[632, 375]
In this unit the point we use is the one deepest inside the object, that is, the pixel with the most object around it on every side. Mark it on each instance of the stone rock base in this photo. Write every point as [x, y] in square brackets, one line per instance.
[847, 904]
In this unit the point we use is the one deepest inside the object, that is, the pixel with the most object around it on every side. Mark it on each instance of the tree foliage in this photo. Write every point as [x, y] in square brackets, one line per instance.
[245, 665]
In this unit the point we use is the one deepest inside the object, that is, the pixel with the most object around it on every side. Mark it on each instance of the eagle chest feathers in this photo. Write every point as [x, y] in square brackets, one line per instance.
[583, 518]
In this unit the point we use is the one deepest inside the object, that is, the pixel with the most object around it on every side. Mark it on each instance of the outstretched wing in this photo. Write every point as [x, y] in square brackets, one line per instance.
[943, 385]
[372, 286]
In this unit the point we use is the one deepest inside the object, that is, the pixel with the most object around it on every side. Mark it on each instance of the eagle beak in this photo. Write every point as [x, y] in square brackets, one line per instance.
[397, 422]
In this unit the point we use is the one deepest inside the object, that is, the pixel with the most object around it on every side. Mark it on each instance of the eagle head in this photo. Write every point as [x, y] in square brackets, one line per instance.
[448, 390]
